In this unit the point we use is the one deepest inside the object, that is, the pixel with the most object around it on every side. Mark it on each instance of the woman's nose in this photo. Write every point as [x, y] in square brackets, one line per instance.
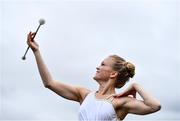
[97, 68]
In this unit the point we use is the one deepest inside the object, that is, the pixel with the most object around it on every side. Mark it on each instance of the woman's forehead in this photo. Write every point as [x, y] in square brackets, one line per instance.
[108, 60]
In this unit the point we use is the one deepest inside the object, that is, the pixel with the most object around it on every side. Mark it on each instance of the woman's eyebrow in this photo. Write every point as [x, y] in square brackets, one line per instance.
[102, 63]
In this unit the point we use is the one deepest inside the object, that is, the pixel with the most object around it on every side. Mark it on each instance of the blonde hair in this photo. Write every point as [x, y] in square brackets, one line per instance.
[126, 70]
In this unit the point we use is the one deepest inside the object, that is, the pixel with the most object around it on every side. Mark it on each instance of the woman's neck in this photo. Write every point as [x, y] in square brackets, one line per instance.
[106, 88]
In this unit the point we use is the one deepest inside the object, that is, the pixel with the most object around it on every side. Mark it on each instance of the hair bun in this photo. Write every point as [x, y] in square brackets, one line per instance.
[130, 68]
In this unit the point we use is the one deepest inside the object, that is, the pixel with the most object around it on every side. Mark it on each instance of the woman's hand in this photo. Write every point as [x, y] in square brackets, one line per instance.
[30, 41]
[130, 92]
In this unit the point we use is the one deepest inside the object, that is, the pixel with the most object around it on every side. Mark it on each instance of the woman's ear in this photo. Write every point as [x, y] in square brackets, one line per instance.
[114, 74]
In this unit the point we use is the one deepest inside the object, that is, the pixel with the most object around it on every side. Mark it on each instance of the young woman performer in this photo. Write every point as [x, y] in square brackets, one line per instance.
[103, 104]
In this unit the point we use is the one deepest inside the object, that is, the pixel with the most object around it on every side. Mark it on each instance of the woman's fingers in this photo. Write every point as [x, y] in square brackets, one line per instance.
[129, 91]
[124, 94]
[29, 38]
[134, 94]
[119, 95]
[33, 34]
[30, 41]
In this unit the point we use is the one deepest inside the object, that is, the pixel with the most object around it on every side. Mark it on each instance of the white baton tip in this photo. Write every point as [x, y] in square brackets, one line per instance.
[41, 21]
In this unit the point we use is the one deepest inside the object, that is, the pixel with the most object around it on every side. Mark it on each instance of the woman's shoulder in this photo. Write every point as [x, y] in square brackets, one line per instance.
[83, 92]
[118, 102]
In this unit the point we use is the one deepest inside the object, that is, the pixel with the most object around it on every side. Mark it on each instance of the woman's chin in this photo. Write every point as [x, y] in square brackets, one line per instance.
[95, 78]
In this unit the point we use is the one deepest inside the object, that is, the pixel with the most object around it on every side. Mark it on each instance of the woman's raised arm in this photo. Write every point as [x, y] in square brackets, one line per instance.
[67, 91]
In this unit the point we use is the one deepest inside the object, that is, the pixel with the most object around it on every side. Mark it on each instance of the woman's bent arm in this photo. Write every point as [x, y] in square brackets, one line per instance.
[148, 105]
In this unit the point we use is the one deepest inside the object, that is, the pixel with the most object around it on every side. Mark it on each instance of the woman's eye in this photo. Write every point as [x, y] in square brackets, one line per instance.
[102, 64]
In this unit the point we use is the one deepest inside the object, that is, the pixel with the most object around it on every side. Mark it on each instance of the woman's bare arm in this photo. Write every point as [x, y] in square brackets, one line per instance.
[65, 90]
[141, 107]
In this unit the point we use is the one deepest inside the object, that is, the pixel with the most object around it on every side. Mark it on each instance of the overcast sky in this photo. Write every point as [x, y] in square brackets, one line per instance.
[77, 36]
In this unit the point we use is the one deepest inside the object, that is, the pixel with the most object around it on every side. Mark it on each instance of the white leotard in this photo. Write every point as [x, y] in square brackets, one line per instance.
[93, 109]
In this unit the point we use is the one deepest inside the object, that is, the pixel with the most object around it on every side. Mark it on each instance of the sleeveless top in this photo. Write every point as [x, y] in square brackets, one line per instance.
[93, 109]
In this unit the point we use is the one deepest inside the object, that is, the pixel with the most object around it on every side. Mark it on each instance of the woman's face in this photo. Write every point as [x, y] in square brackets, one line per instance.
[104, 70]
